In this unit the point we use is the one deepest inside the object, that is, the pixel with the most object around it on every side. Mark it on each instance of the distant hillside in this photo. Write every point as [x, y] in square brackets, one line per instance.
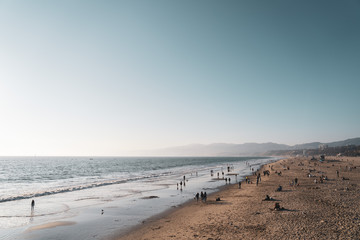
[306, 146]
[246, 149]
[352, 141]
[347, 142]
[349, 150]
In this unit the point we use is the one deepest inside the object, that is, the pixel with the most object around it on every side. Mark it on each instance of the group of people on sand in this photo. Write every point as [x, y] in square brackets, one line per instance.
[321, 179]
[203, 196]
[294, 182]
[258, 178]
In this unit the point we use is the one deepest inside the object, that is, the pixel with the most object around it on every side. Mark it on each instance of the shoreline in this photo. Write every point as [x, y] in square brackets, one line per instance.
[326, 210]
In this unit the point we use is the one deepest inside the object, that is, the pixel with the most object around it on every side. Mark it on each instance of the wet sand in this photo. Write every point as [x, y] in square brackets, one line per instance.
[51, 225]
[327, 210]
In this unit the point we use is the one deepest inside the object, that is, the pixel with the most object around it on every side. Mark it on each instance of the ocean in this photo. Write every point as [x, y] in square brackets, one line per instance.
[111, 193]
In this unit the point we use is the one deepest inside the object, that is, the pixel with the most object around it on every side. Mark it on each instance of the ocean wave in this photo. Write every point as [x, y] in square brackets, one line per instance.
[78, 187]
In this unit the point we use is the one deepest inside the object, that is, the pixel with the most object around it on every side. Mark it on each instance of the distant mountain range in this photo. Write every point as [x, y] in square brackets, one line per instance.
[246, 149]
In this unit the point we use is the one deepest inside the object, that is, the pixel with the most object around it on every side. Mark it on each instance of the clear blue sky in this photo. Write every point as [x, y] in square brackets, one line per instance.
[107, 77]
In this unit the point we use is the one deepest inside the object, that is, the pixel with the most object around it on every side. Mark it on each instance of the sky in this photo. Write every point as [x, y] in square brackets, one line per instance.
[107, 78]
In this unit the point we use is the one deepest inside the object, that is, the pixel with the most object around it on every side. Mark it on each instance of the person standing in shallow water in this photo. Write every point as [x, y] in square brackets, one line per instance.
[32, 210]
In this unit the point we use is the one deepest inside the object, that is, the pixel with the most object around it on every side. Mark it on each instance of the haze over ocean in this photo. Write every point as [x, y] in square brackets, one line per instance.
[108, 78]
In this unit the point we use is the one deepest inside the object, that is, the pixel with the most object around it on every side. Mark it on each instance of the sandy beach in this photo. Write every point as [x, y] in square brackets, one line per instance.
[322, 205]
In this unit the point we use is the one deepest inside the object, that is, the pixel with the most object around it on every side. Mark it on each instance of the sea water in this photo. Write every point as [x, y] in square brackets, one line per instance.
[103, 194]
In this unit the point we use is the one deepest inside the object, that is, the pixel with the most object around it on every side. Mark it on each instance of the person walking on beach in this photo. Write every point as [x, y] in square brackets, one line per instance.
[258, 179]
[197, 197]
[239, 185]
[32, 204]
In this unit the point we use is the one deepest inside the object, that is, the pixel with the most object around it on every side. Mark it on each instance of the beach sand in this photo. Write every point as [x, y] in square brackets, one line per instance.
[328, 210]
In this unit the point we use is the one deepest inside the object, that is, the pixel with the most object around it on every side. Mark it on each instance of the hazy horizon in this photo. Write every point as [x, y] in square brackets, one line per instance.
[90, 78]
[157, 152]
